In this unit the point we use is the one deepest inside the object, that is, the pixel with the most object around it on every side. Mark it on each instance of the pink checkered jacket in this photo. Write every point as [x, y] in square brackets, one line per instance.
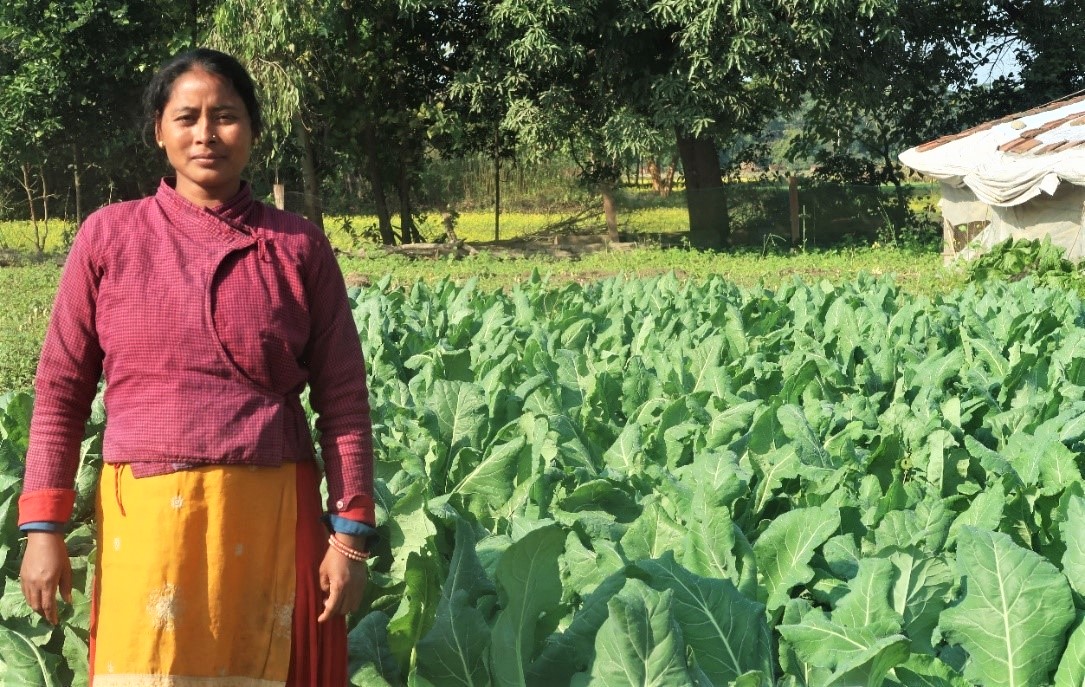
[208, 324]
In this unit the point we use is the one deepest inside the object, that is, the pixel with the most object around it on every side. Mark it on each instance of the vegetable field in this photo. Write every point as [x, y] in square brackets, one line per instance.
[665, 482]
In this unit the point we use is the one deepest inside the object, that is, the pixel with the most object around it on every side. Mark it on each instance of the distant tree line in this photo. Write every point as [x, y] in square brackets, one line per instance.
[363, 96]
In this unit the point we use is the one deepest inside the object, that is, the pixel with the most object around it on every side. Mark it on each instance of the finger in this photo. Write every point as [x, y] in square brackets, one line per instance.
[33, 598]
[38, 600]
[49, 606]
[66, 583]
[333, 603]
[327, 613]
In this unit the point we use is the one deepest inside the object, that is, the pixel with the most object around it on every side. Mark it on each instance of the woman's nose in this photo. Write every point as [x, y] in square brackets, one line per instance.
[205, 131]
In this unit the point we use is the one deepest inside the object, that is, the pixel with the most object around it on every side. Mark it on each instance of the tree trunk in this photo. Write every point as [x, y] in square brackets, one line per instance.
[448, 221]
[793, 209]
[30, 200]
[278, 191]
[42, 238]
[310, 180]
[376, 184]
[900, 216]
[657, 178]
[706, 198]
[610, 211]
[194, 9]
[668, 181]
[77, 182]
[406, 217]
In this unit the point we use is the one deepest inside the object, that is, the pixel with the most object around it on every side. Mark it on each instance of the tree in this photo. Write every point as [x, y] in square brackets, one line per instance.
[861, 113]
[562, 68]
[356, 82]
[281, 44]
[616, 74]
[70, 102]
[399, 57]
[1047, 39]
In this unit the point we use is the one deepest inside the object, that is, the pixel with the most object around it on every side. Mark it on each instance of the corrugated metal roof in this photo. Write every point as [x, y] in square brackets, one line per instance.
[1050, 136]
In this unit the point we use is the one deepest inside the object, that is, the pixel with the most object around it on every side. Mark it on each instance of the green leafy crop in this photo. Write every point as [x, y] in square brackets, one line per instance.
[667, 482]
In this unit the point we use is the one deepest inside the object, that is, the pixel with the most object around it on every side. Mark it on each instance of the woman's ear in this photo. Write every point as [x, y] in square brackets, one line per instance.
[158, 132]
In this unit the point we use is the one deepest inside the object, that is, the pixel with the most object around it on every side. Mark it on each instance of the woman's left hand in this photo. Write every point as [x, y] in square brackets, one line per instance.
[342, 579]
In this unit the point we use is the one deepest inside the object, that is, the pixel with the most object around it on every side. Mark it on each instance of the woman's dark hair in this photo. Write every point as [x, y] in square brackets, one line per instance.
[211, 61]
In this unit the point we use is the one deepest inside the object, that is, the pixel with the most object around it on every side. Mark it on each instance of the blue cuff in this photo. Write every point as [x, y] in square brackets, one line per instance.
[337, 523]
[42, 526]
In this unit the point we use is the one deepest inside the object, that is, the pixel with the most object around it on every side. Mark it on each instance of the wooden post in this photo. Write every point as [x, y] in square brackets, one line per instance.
[497, 182]
[793, 202]
[278, 191]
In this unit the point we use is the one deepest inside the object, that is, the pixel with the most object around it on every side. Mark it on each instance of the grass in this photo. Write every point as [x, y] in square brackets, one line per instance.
[26, 299]
[351, 232]
[919, 273]
[19, 235]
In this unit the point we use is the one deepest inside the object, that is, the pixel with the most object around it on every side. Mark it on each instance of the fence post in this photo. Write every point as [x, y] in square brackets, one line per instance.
[793, 202]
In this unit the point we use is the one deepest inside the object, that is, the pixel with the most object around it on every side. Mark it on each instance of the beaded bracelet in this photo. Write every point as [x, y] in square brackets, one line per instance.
[352, 554]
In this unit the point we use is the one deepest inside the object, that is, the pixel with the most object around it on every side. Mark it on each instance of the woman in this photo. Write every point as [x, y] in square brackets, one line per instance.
[209, 313]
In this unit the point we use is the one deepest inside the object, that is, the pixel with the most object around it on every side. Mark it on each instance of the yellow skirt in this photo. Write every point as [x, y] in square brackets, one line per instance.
[196, 578]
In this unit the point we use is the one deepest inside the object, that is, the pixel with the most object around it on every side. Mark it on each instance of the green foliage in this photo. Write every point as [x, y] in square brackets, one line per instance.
[640, 643]
[26, 291]
[32, 652]
[383, 89]
[71, 74]
[1015, 259]
[1015, 612]
[1043, 40]
[26, 299]
[606, 83]
[697, 483]
[859, 114]
[834, 427]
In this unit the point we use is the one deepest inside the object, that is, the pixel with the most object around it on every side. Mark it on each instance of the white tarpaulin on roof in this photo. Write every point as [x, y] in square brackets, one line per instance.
[1007, 178]
[1033, 188]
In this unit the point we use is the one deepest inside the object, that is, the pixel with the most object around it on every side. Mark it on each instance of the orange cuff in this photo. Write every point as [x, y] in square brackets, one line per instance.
[52, 505]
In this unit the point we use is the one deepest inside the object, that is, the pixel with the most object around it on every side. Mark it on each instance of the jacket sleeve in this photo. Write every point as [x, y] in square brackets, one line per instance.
[65, 385]
[338, 390]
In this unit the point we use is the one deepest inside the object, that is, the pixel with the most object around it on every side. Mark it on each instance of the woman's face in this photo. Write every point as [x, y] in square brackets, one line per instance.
[207, 135]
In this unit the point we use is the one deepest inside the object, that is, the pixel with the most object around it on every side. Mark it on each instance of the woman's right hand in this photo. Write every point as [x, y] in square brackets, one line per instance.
[46, 568]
